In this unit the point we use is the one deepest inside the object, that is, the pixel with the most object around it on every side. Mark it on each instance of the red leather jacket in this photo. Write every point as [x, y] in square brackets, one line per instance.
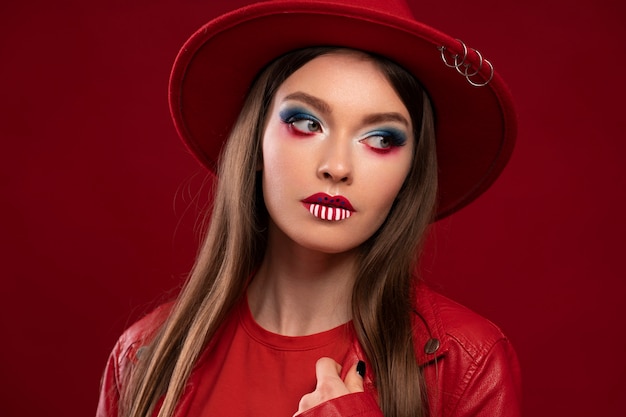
[470, 368]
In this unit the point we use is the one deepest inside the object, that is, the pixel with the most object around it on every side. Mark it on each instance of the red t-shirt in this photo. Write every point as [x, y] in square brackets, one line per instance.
[250, 371]
[469, 367]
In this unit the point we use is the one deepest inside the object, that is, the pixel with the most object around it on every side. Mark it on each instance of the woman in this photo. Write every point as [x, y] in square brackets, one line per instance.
[303, 299]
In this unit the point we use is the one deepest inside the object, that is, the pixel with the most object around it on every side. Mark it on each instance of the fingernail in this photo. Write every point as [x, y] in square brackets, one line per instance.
[360, 369]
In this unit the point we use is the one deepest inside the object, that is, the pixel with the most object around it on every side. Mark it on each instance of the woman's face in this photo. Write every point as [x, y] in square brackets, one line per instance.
[337, 146]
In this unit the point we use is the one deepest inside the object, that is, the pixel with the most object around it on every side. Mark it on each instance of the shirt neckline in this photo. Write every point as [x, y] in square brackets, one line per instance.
[290, 343]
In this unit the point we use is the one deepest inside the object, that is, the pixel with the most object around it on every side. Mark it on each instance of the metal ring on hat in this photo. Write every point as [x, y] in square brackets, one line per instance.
[468, 66]
[455, 57]
[475, 84]
[465, 71]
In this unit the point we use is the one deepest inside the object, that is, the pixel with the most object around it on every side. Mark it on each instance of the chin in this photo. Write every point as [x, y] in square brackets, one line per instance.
[332, 245]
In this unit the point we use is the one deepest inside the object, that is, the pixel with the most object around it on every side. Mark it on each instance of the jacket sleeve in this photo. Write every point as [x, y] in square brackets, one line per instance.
[109, 386]
[123, 356]
[359, 404]
[493, 385]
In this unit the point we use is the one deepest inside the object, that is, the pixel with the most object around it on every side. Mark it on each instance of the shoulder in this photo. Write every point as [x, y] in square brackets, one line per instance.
[129, 344]
[458, 324]
[123, 355]
[468, 362]
[450, 323]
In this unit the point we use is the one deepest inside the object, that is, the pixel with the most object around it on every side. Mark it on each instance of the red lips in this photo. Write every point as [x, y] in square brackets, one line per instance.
[326, 207]
[329, 201]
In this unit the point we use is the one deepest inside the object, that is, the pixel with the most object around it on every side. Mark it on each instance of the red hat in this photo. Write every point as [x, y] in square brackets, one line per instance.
[475, 120]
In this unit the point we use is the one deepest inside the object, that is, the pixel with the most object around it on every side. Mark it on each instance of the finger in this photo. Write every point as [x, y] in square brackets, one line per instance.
[307, 401]
[326, 369]
[329, 385]
[353, 380]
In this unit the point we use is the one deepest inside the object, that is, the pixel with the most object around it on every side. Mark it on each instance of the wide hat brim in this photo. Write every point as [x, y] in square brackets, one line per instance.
[475, 125]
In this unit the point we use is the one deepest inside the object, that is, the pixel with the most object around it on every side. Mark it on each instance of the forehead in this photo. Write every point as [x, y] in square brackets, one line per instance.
[346, 65]
[345, 78]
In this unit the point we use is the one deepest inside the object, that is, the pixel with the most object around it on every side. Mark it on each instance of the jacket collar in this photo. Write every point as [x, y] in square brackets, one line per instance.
[430, 338]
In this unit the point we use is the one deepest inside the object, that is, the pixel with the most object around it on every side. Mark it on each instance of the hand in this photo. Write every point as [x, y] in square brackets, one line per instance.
[329, 384]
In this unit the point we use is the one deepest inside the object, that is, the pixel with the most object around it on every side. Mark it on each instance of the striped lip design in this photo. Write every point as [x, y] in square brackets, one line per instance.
[329, 213]
[326, 207]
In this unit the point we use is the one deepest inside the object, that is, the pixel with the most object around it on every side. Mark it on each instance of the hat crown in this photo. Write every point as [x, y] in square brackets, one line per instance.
[475, 124]
[398, 8]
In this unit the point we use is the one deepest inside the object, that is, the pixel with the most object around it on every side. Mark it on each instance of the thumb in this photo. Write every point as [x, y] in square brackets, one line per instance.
[354, 377]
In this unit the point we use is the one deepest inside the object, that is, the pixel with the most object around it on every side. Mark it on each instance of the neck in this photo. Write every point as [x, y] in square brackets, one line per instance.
[298, 292]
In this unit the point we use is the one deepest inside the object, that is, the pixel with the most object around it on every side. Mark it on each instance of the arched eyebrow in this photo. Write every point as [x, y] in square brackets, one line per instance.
[316, 103]
[386, 117]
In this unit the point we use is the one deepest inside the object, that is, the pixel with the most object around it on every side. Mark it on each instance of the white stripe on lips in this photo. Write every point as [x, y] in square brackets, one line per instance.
[329, 213]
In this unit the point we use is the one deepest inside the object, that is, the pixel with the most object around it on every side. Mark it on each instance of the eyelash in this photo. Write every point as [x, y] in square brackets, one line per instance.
[393, 137]
[290, 117]
[293, 116]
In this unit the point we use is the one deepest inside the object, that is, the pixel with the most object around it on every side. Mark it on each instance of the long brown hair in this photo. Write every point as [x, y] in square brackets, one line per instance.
[235, 243]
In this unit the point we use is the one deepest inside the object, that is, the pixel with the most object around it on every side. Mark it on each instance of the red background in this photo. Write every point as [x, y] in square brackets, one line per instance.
[98, 196]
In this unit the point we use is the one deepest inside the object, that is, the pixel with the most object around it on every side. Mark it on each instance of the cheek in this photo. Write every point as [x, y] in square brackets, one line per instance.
[387, 186]
[275, 144]
[283, 153]
[280, 166]
[271, 152]
[278, 162]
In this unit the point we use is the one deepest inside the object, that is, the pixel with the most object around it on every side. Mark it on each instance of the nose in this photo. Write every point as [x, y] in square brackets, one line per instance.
[336, 162]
